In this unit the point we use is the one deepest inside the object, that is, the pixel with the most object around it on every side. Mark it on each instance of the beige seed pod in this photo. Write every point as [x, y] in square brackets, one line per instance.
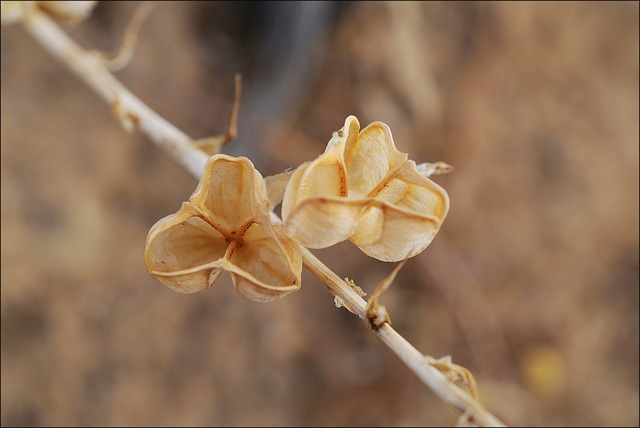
[225, 226]
[363, 189]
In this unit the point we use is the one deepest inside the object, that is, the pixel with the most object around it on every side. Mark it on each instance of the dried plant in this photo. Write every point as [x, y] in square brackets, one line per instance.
[362, 189]
[70, 12]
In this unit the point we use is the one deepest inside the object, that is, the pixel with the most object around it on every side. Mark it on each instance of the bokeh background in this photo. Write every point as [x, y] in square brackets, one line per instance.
[532, 282]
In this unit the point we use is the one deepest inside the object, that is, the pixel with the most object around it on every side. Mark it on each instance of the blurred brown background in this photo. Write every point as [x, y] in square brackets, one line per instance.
[532, 282]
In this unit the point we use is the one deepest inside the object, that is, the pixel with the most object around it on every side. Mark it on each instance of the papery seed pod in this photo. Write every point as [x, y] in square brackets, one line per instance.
[225, 226]
[363, 189]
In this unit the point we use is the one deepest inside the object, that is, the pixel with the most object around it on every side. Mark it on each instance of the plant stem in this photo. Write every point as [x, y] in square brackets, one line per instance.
[128, 109]
[414, 359]
[134, 114]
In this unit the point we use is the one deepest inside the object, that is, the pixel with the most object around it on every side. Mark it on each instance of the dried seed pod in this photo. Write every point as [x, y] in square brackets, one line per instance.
[363, 189]
[225, 226]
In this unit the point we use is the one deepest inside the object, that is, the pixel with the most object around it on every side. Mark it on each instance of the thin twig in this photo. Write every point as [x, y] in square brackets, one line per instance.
[122, 56]
[135, 115]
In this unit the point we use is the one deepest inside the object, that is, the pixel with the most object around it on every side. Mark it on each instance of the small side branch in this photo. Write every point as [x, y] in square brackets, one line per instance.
[212, 145]
[121, 57]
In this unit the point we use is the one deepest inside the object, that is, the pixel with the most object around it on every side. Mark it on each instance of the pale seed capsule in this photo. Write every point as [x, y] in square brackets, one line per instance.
[363, 189]
[225, 226]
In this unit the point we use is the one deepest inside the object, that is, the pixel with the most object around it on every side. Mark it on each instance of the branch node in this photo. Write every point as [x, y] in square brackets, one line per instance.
[127, 118]
[377, 315]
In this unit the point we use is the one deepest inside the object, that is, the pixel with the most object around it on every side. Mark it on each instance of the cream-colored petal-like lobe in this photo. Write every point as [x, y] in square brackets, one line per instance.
[180, 248]
[276, 185]
[349, 132]
[230, 192]
[323, 221]
[267, 265]
[392, 234]
[325, 176]
[408, 189]
[369, 158]
[422, 195]
[413, 210]
[191, 280]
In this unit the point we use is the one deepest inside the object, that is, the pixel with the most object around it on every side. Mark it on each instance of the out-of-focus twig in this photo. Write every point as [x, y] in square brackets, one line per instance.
[119, 59]
[132, 113]
[212, 145]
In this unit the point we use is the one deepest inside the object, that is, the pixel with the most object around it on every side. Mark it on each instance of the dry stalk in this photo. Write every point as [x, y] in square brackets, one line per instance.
[128, 109]
[421, 365]
[133, 114]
